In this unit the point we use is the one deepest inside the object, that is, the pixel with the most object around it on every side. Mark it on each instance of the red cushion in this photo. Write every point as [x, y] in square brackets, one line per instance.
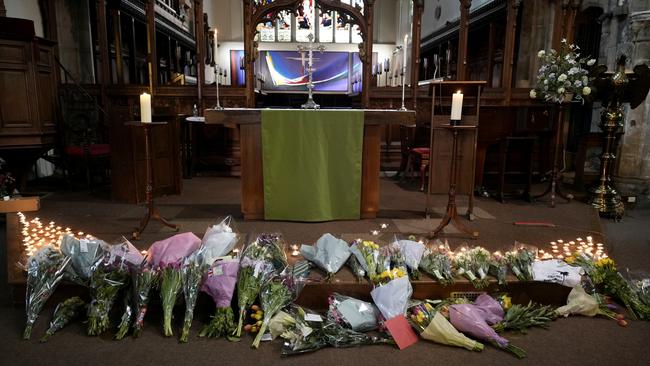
[93, 150]
[421, 150]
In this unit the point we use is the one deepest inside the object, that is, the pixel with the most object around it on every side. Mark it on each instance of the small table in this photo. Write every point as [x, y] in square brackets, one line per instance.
[152, 212]
[451, 216]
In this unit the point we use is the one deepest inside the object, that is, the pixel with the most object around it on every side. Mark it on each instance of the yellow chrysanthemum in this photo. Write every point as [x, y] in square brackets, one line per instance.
[570, 259]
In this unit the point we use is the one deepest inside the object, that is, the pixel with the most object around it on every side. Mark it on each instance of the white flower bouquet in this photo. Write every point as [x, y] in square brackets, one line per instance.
[562, 75]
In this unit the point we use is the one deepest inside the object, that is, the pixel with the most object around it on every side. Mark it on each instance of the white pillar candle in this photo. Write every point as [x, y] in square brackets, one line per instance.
[406, 40]
[216, 46]
[145, 108]
[456, 106]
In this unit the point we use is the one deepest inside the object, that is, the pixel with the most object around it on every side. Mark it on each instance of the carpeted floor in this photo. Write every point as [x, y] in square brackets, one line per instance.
[568, 341]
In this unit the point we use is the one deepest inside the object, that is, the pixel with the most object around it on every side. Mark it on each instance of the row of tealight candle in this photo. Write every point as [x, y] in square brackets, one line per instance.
[37, 235]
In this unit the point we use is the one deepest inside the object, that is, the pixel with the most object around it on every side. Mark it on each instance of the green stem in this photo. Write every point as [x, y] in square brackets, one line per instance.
[258, 338]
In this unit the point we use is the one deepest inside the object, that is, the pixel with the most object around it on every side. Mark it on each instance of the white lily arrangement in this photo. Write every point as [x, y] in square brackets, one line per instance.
[562, 74]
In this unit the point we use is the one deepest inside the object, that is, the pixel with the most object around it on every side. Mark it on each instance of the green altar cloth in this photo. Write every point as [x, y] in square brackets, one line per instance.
[312, 164]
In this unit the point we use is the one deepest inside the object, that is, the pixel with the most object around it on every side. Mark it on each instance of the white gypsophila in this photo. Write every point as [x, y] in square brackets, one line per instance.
[586, 90]
[591, 62]
[562, 77]
[533, 94]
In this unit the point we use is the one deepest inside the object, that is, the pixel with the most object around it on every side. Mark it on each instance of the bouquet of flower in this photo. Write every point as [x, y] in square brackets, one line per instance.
[412, 252]
[471, 320]
[304, 331]
[352, 313]
[275, 295]
[356, 268]
[521, 261]
[474, 264]
[640, 283]
[367, 253]
[438, 263]
[391, 297]
[64, 313]
[435, 327]
[499, 268]
[84, 254]
[519, 317]
[144, 278]
[329, 254]
[44, 272]
[603, 273]
[166, 256]
[192, 273]
[562, 74]
[218, 241]
[133, 259]
[220, 283]
[109, 275]
[490, 307]
[260, 260]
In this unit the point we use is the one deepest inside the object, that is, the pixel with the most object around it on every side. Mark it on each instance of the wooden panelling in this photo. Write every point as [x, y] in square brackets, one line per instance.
[14, 104]
[13, 52]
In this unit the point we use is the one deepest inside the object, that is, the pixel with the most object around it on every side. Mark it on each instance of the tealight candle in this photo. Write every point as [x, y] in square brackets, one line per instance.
[383, 226]
[374, 232]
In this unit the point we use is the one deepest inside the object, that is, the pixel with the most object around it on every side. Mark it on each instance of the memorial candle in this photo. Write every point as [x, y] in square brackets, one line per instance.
[456, 106]
[216, 46]
[145, 108]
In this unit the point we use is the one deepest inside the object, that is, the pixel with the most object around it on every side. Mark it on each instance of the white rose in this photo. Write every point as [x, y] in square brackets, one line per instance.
[562, 77]
[533, 94]
[545, 82]
[578, 83]
[560, 90]
[585, 79]
[563, 40]
[586, 90]
[591, 62]
[541, 53]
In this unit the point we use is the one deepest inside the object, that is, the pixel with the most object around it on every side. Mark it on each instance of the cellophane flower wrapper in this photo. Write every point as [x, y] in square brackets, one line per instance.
[45, 269]
[356, 268]
[435, 327]
[166, 256]
[306, 331]
[259, 262]
[499, 268]
[192, 275]
[367, 253]
[412, 251]
[579, 303]
[520, 260]
[110, 274]
[300, 335]
[144, 278]
[352, 313]
[218, 241]
[64, 313]
[84, 254]
[492, 310]
[132, 258]
[480, 258]
[438, 264]
[464, 265]
[392, 298]
[329, 254]
[275, 294]
[640, 282]
[469, 319]
[219, 283]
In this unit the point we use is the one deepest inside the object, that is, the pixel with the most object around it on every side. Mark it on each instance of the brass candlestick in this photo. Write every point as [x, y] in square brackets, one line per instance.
[614, 89]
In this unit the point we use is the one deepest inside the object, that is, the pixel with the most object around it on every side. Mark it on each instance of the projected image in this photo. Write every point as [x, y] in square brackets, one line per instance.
[237, 68]
[287, 71]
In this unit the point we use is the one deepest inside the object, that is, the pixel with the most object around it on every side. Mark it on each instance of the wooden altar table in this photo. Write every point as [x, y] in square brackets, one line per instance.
[252, 183]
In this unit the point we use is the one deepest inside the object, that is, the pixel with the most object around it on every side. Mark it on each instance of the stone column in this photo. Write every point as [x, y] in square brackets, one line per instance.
[632, 174]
